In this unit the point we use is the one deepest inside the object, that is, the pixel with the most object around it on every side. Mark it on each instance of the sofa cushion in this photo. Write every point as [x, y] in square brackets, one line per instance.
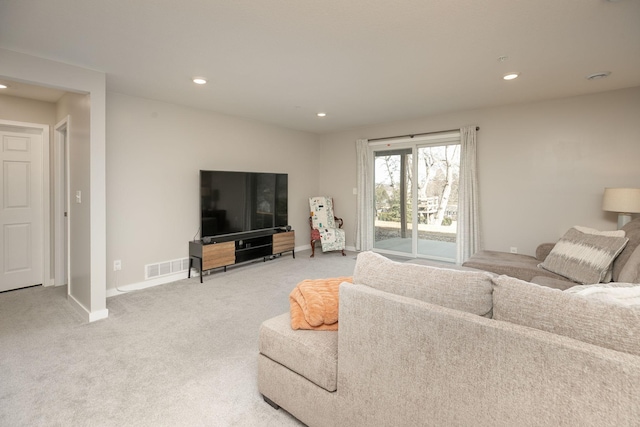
[311, 354]
[468, 291]
[585, 255]
[558, 282]
[524, 267]
[585, 319]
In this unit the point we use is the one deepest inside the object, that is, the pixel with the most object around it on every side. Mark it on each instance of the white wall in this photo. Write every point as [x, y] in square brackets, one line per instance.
[39, 71]
[542, 166]
[77, 108]
[27, 110]
[154, 153]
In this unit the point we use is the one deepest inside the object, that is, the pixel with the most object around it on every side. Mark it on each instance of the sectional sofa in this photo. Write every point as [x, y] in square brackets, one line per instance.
[625, 267]
[418, 345]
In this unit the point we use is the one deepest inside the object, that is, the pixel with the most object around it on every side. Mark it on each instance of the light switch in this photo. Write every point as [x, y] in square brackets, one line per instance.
[78, 196]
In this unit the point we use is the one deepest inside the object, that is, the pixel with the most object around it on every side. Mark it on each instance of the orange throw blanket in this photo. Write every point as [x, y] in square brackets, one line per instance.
[314, 304]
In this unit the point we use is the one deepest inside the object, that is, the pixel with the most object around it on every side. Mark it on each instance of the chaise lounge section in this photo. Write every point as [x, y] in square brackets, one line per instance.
[626, 266]
[419, 345]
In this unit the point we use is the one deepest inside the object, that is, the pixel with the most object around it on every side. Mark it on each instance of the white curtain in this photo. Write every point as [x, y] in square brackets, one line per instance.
[364, 209]
[468, 221]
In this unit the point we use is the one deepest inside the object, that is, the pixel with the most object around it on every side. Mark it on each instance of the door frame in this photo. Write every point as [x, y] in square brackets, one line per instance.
[46, 197]
[414, 144]
[61, 191]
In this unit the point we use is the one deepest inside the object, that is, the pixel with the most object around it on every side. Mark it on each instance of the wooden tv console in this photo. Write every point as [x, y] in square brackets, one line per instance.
[228, 250]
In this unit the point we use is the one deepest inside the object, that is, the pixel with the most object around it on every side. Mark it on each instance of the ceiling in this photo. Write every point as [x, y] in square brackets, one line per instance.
[360, 61]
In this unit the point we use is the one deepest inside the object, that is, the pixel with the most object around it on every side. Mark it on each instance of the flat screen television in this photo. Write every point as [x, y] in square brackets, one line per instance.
[237, 202]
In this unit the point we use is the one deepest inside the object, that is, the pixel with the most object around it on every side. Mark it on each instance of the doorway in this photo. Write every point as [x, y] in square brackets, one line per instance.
[24, 211]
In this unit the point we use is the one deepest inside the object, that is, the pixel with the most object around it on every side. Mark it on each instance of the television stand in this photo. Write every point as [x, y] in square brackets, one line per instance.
[232, 249]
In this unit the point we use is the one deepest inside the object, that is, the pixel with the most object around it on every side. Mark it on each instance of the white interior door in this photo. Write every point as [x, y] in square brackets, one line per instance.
[21, 210]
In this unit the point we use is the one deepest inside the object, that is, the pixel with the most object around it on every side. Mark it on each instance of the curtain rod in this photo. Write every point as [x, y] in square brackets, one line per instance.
[418, 134]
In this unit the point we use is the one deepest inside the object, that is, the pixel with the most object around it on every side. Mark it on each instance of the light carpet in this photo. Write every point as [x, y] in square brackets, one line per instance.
[180, 354]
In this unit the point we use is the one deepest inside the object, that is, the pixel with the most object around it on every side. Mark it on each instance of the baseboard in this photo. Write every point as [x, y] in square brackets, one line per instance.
[112, 292]
[98, 315]
[308, 248]
[89, 316]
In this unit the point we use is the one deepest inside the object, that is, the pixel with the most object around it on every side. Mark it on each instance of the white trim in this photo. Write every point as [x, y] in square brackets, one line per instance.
[425, 138]
[308, 248]
[61, 202]
[86, 314]
[98, 315]
[46, 279]
[163, 280]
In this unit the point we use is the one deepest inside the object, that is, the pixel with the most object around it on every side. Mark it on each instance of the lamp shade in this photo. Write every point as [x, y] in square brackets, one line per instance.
[622, 200]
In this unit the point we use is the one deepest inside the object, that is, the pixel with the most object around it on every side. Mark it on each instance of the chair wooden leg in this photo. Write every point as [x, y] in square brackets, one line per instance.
[343, 254]
[313, 248]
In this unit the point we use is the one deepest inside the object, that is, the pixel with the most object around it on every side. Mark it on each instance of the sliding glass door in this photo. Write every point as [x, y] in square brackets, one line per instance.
[438, 172]
[393, 225]
[416, 197]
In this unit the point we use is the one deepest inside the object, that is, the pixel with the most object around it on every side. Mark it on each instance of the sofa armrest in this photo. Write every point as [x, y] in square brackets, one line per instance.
[386, 355]
[543, 250]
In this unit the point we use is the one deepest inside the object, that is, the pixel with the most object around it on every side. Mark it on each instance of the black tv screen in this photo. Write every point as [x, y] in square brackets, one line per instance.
[235, 202]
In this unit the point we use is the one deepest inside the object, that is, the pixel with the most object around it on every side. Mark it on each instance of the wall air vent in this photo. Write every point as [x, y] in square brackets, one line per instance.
[159, 269]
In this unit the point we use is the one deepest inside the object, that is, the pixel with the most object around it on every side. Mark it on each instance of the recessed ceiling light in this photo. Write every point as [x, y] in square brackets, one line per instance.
[2, 86]
[322, 114]
[596, 76]
[510, 76]
[199, 80]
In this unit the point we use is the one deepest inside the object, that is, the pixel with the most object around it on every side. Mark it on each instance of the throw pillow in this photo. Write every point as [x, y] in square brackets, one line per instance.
[607, 325]
[585, 255]
[630, 272]
[627, 294]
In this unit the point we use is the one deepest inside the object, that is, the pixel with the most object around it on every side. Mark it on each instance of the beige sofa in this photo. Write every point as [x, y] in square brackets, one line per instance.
[419, 345]
[626, 266]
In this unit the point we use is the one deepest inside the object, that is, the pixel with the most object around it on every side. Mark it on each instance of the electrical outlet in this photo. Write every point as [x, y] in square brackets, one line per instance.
[117, 265]
[513, 250]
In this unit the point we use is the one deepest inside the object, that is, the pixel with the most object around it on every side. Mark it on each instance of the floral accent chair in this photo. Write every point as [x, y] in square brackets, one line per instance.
[323, 226]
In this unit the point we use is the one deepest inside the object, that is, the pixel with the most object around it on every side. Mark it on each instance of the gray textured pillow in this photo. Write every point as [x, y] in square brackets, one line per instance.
[589, 320]
[585, 255]
[468, 291]
[630, 272]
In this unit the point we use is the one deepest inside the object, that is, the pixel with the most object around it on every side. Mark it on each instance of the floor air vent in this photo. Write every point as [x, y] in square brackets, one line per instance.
[151, 271]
